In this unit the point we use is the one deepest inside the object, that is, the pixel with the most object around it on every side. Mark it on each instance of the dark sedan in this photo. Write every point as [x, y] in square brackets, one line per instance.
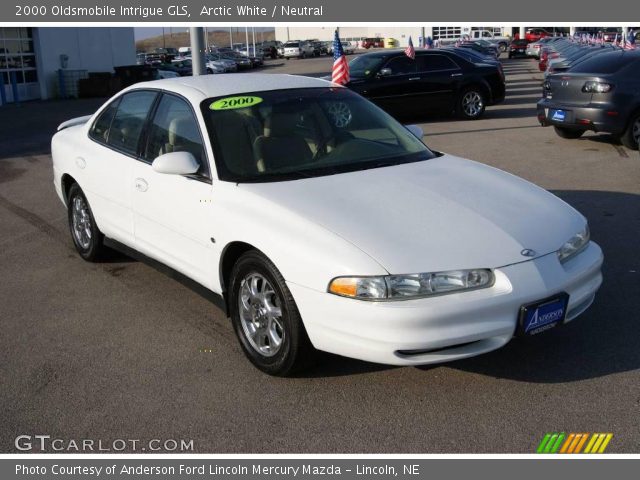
[601, 94]
[435, 81]
[518, 48]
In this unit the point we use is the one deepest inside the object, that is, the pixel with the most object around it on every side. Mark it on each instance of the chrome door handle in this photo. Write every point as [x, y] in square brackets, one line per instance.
[456, 74]
[141, 185]
[414, 78]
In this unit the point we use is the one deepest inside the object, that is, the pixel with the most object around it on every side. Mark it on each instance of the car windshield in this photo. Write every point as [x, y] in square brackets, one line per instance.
[300, 133]
[364, 66]
[291, 44]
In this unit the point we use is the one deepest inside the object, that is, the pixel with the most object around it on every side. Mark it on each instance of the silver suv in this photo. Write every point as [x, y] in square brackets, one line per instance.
[298, 49]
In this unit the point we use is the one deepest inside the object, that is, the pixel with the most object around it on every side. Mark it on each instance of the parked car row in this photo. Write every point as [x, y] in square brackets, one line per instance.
[591, 87]
[312, 48]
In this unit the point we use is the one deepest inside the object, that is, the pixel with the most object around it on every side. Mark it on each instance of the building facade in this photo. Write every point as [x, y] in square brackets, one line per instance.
[30, 58]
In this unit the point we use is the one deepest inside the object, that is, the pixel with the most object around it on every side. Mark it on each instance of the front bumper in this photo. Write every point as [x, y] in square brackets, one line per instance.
[448, 327]
[599, 118]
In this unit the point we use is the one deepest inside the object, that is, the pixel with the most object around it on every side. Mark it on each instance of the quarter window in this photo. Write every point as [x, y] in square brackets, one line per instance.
[433, 63]
[175, 129]
[100, 129]
[130, 117]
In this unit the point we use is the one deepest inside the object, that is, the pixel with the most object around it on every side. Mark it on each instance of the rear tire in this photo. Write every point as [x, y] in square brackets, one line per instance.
[631, 136]
[569, 133]
[265, 317]
[87, 238]
[471, 103]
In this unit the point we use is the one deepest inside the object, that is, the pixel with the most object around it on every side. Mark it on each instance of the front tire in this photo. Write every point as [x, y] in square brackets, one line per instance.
[265, 317]
[569, 133]
[631, 136]
[87, 238]
[471, 104]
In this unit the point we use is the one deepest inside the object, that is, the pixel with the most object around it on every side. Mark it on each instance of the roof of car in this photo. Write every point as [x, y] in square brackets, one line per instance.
[205, 86]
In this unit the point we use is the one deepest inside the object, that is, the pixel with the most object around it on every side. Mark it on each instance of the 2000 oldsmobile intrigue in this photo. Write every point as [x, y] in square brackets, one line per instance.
[321, 221]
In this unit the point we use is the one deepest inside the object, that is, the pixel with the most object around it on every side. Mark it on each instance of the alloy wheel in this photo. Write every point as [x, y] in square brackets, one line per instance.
[472, 104]
[260, 309]
[81, 220]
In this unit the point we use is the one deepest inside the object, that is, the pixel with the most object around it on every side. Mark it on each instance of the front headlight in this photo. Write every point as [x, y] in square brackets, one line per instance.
[574, 245]
[401, 287]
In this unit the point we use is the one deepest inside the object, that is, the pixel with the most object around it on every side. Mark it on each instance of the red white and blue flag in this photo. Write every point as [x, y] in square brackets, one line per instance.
[410, 51]
[340, 72]
[631, 41]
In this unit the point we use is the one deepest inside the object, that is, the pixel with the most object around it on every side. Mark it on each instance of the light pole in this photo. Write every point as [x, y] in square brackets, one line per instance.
[197, 50]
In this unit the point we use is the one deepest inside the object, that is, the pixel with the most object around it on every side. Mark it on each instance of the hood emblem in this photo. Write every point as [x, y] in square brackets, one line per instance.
[527, 252]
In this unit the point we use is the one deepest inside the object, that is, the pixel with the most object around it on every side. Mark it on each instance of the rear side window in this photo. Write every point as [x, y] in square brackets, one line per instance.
[433, 63]
[100, 129]
[129, 120]
[605, 63]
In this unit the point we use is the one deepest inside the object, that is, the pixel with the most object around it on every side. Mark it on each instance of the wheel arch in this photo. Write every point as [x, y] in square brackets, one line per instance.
[66, 182]
[479, 83]
[634, 111]
[228, 258]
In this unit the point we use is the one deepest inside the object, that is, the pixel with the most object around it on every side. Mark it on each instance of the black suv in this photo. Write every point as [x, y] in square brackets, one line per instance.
[436, 80]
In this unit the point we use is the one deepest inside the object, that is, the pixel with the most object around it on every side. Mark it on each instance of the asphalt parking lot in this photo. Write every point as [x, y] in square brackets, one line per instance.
[118, 350]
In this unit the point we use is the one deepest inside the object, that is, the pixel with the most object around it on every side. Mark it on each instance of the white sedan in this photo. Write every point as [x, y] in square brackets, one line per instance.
[321, 223]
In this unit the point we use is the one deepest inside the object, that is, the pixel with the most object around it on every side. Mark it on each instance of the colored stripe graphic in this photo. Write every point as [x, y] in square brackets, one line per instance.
[543, 443]
[583, 439]
[605, 443]
[559, 442]
[567, 442]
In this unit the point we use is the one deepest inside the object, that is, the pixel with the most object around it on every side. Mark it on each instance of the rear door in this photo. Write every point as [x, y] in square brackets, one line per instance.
[439, 77]
[109, 159]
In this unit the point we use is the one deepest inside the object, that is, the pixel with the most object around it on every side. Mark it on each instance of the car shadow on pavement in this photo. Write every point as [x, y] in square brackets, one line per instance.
[327, 365]
[520, 82]
[606, 338]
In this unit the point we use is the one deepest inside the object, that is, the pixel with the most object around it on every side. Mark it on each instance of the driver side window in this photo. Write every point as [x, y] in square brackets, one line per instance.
[401, 65]
[175, 129]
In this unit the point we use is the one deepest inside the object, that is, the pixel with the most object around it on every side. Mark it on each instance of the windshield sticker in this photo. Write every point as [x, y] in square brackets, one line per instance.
[230, 103]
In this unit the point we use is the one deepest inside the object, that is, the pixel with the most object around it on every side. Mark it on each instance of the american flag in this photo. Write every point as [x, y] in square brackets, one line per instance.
[631, 41]
[340, 72]
[429, 43]
[410, 51]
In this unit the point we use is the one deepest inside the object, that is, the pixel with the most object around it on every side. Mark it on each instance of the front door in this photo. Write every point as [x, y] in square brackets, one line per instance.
[172, 213]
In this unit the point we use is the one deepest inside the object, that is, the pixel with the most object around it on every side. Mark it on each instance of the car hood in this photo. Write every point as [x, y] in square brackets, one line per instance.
[442, 214]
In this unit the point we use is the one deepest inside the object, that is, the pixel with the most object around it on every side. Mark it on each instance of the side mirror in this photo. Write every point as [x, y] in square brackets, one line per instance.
[384, 72]
[416, 131]
[176, 163]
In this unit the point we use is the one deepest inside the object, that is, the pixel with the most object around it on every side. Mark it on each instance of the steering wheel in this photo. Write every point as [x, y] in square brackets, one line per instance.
[337, 138]
[340, 114]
